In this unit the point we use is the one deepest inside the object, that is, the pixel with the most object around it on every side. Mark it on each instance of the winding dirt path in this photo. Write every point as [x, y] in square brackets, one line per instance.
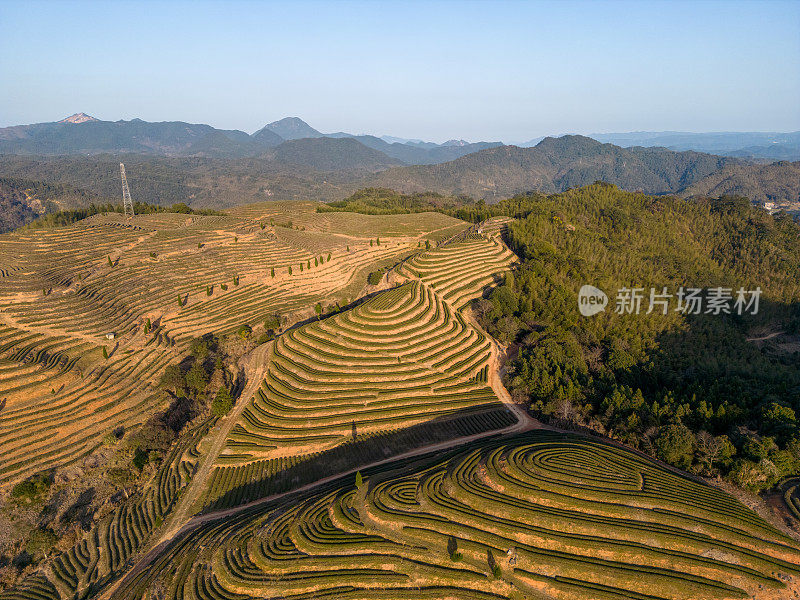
[255, 366]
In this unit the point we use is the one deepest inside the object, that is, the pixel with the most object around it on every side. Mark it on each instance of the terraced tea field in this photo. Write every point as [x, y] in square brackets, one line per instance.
[540, 515]
[460, 270]
[64, 290]
[401, 359]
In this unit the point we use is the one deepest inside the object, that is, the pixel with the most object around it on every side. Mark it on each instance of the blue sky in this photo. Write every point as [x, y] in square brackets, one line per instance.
[506, 71]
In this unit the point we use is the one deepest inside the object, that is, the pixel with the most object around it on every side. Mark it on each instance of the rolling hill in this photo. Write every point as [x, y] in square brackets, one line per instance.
[553, 165]
[777, 182]
[331, 154]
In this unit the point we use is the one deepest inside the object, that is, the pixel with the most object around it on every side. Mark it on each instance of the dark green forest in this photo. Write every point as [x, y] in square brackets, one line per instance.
[689, 389]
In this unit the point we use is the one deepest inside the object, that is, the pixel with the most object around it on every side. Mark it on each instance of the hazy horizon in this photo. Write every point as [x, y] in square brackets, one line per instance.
[436, 71]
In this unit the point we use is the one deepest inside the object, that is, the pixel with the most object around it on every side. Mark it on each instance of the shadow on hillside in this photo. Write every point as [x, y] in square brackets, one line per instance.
[278, 476]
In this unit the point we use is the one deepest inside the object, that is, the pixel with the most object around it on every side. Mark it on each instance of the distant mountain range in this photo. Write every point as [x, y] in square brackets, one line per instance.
[208, 167]
[752, 145]
[83, 134]
[553, 165]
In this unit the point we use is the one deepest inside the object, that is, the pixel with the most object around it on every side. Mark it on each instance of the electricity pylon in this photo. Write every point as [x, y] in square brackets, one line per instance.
[127, 203]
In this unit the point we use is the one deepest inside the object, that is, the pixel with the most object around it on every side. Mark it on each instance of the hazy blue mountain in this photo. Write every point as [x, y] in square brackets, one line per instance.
[267, 138]
[95, 137]
[293, 128]
[779, 146]
[390, 139]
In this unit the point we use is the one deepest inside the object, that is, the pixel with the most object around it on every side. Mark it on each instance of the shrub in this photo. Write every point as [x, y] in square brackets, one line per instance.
[427, 244]
[41, 541]
[235, 280]
[359, 479]
[224, 286]
[180, 301]
[31, 488]
[329, 257]
[374, 278]
[272, 272]
[209, 290]
[105, 352]
[245, 331]
[140, 458]
[290, 270]
[110, 264]
[223, 402]
[120, 476]
[378, 241]
[318, 308]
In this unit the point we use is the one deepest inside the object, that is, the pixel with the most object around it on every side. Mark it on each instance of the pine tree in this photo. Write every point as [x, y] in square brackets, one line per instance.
[452, 548]
[272, 273]
[110, 264]
[359, 479]
[329, 257]
[105, 352]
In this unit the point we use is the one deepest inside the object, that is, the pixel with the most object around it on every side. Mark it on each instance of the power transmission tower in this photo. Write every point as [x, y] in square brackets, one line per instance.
[127, 203]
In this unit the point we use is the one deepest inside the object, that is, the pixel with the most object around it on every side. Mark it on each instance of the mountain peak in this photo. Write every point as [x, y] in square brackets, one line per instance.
[456, 143]
[293, 128]
[78, 118]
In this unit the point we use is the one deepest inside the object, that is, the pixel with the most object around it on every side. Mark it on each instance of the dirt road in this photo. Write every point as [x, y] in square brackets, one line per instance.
[255, 366]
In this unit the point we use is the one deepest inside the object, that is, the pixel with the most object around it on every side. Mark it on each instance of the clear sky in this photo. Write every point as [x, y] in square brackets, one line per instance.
[505, 71]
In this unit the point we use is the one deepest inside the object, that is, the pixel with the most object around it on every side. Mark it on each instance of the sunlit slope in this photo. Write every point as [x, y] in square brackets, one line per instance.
[402, 358]
[460, 270]
[563, 517]
[62, 290]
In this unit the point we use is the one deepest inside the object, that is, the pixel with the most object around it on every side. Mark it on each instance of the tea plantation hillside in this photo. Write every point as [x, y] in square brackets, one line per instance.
[93, 312]
[401, 359]
[539, 515]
